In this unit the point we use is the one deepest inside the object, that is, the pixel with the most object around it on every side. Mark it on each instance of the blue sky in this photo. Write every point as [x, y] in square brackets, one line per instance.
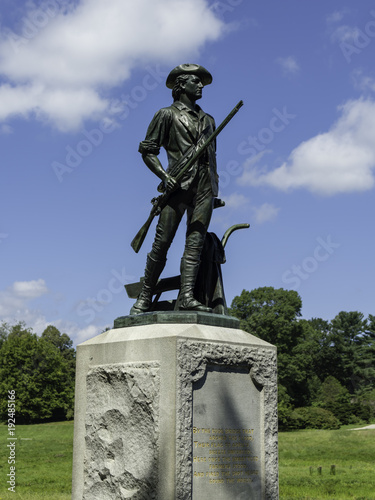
[79, 83]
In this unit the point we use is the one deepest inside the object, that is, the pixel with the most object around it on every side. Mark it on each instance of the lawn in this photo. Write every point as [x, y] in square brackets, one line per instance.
[352, 452]
[44, 463]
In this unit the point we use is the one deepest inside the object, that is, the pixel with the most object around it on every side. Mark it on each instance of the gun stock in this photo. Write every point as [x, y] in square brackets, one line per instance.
[141, 235]
[157, 205]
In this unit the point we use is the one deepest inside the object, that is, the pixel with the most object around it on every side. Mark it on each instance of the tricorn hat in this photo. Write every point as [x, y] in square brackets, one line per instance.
[189, 69]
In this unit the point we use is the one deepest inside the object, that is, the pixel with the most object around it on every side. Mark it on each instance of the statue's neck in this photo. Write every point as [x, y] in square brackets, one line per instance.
[188, 102]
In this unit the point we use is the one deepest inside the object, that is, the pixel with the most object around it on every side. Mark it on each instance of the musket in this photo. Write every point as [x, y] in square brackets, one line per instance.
[174, 170]
[160, 202]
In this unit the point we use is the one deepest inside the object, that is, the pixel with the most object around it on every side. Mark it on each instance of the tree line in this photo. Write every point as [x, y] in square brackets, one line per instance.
[326, 369]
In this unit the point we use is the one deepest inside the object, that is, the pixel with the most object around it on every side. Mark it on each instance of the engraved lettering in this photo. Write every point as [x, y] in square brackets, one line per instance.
[227, 453]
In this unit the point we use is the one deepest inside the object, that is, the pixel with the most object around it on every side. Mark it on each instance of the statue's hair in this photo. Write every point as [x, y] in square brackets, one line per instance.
[178, 86]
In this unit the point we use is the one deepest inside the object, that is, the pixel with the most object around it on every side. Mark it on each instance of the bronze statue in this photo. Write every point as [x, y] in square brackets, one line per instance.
[190, 183]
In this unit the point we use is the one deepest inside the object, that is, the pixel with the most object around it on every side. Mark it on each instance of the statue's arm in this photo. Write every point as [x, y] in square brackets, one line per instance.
[157, 135]
[153, 163]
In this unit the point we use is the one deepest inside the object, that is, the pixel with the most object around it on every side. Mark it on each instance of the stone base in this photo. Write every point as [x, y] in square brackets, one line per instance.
[175, 411]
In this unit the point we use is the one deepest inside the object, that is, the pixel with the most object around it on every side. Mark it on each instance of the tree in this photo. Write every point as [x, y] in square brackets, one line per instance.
[9, 331]
[334, 397]
[4, 332]
[312, 417]
[60, 340]
[313, 351]
[35, 369]
[272, 314]
[345, 340]
[63, 343]
[307, 355]
[364, 381]
[284, 408]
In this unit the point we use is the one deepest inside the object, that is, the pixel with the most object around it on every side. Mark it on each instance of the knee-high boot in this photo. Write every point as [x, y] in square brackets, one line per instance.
[153, 270]
[189, 271]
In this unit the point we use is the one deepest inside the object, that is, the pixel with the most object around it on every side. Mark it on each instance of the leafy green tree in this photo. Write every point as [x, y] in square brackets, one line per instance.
[336, 398]
[365, 404]
[35, 369]
[307, 354]
[269, 313]
[313, 351]
[364, 379]
[4, 332]
[65, 346]
[347, 351]
[284, 408]
[312, 417]
[272, 314]
[10, 331]
[345, 339]
[63, 343]
[60, 340]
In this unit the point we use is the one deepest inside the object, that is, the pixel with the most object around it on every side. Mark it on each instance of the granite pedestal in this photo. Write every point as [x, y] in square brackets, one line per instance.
[175, 406]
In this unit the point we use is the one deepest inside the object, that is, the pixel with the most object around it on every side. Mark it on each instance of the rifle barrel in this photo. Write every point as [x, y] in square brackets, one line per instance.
[216, 132]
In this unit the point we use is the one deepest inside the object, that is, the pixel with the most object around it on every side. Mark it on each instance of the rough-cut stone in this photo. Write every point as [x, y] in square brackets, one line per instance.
[137, 395]
[121, 432]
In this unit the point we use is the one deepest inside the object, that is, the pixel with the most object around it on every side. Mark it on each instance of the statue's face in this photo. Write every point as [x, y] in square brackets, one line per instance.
[193, 88]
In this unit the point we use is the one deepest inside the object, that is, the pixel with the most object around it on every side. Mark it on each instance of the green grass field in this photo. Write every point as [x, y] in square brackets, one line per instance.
[44, 463]
[352, 452]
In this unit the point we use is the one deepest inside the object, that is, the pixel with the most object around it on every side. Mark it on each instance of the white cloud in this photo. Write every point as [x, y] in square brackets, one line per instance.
[76, 333]
[15, 299]
[265, 213]
[288, 64]
[236, 201]
[60, 64]
[341, 160]
[29, 289]
[363, 82]
[33, 319]
[16, 305]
